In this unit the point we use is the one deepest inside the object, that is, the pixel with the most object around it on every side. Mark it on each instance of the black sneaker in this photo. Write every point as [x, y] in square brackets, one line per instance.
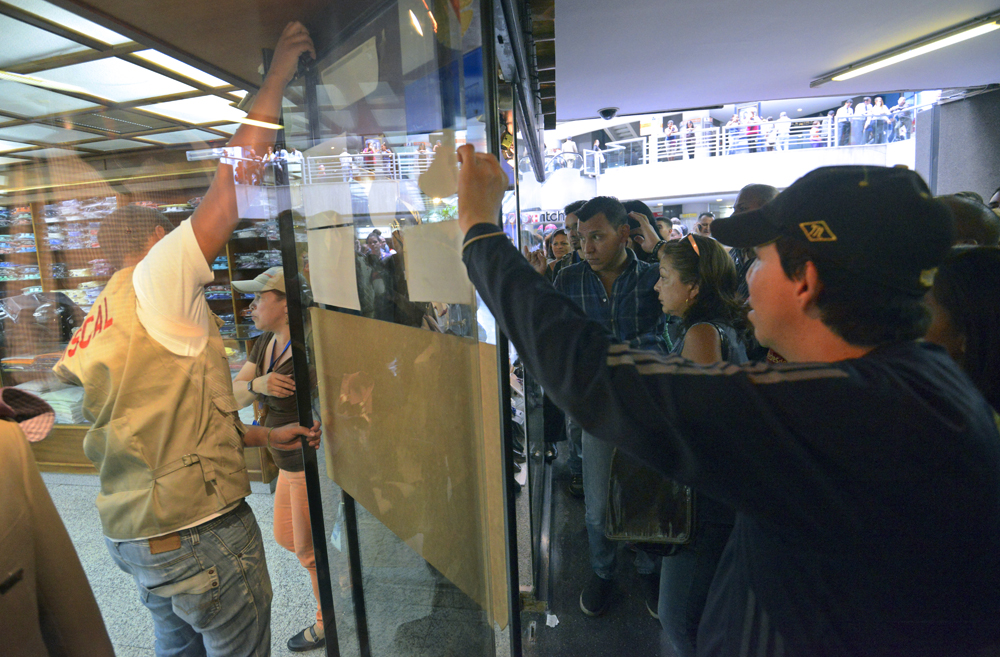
[651, 591]
[596, 595]
[575, 486]
[305, 640]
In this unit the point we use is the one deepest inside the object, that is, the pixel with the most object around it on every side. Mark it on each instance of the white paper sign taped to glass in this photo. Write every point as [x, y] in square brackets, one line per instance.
[434, 267]
[331, 271]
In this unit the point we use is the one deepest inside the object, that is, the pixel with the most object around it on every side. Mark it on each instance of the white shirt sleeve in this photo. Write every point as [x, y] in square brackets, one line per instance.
[170, 297]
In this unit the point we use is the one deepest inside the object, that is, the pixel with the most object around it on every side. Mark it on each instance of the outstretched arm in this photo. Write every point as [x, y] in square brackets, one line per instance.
[217, 216]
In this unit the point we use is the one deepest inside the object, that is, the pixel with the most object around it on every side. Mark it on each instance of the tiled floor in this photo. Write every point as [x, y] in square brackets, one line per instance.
[412, 609]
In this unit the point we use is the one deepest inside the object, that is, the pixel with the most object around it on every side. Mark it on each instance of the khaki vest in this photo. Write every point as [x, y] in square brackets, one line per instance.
[166, 437]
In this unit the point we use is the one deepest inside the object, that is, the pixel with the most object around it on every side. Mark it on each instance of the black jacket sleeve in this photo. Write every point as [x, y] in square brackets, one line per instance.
[714, 428]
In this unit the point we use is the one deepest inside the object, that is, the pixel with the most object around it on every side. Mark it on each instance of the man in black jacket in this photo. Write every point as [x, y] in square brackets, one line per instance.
[865, 473]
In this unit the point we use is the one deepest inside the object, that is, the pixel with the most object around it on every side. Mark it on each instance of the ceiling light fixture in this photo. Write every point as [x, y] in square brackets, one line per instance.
[259, 124]
[38, 82]
[951, 36]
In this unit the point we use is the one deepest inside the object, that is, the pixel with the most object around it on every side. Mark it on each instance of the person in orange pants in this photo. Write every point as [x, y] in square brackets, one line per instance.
[267, 379]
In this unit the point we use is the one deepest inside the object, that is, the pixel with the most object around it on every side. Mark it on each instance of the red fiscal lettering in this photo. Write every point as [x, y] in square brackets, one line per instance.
[99, 323]
[72, 344]
[84, 340]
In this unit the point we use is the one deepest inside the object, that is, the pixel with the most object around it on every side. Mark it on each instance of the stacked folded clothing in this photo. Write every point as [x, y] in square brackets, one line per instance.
[67, 403]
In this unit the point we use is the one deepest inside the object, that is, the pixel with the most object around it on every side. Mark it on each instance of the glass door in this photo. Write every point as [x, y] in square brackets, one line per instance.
[401, 352]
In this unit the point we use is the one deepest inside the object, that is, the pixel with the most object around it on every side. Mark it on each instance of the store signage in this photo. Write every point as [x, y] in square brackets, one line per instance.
[543, 217]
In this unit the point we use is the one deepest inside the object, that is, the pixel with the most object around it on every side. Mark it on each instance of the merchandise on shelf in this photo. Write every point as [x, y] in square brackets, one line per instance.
[101, 267]
[259, 259]
[15, 217]
[172, 208]
[79, 210]
[221, 263]
[214, 292]
[17, 243]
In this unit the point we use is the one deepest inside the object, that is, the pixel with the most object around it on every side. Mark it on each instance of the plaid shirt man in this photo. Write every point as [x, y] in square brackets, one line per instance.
[632, 314]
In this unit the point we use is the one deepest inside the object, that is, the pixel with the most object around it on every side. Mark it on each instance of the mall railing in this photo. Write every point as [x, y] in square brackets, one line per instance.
[778, 135]
[366, 166]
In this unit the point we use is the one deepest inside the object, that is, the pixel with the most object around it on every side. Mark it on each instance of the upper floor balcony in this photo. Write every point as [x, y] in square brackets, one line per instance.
[721, 160]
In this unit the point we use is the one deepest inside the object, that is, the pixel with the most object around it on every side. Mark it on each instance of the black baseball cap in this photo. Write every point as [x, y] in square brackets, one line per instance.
[881, 223]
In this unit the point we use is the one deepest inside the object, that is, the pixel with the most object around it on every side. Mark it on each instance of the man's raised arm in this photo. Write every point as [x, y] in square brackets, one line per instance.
[216, 218]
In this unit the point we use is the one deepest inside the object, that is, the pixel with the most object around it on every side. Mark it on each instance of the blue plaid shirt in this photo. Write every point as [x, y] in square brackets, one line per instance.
[633, 314]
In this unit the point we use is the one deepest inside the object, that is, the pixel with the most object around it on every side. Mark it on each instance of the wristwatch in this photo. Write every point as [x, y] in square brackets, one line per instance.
[250, 385]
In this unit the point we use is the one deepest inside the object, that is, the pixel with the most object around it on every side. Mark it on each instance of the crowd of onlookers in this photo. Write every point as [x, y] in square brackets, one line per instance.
[698, 289]
[271, 167]
[377, 160]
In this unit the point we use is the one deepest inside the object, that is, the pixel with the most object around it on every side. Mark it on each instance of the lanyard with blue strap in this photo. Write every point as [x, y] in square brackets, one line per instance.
[270, 368]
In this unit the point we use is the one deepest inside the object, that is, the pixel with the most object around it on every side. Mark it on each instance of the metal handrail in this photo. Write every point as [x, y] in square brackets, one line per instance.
[776, 135]
[386, 166]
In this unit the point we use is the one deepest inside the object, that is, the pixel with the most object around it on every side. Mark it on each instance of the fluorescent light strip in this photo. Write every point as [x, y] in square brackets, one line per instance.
[920, 50]
[260, 124]
[38, 82]
[177, 66]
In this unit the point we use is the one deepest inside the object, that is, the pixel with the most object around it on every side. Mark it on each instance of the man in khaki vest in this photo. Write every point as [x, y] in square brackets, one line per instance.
[165, 436]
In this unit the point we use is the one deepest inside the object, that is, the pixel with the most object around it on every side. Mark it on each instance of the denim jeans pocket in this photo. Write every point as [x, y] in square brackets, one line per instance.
[195, 599]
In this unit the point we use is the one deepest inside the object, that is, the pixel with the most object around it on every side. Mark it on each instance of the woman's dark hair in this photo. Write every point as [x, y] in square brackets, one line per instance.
[966, 287]
[863, 313]
[550, 238]
[713, 271]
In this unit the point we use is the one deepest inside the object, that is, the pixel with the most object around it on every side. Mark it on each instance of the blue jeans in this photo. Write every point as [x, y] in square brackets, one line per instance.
[596, 473]
[685, 578]
[211, 596]
[574, 435]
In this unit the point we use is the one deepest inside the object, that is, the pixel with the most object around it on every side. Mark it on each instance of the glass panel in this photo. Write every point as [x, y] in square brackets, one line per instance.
[26, 100]
[177, 66]
[115, 80]
[114, 145]
[182, 137]
[9, 160]
[197, 110]
[406, 373]
[68, 19]
[25, 43]
[44, 133]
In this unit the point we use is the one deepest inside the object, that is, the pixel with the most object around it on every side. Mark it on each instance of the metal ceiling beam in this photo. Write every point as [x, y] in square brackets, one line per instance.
[72, 59]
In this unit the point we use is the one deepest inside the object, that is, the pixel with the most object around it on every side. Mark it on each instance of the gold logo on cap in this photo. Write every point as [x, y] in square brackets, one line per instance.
[927, 277]
[817, 231]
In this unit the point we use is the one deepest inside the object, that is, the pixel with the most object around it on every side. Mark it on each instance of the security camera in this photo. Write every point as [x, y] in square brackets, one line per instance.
[608, 113]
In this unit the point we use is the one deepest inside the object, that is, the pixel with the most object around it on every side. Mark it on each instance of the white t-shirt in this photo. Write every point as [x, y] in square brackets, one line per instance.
[169, 287]
[170, 293]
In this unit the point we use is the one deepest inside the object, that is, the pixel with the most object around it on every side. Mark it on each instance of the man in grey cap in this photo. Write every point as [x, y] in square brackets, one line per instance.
[865, 473]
